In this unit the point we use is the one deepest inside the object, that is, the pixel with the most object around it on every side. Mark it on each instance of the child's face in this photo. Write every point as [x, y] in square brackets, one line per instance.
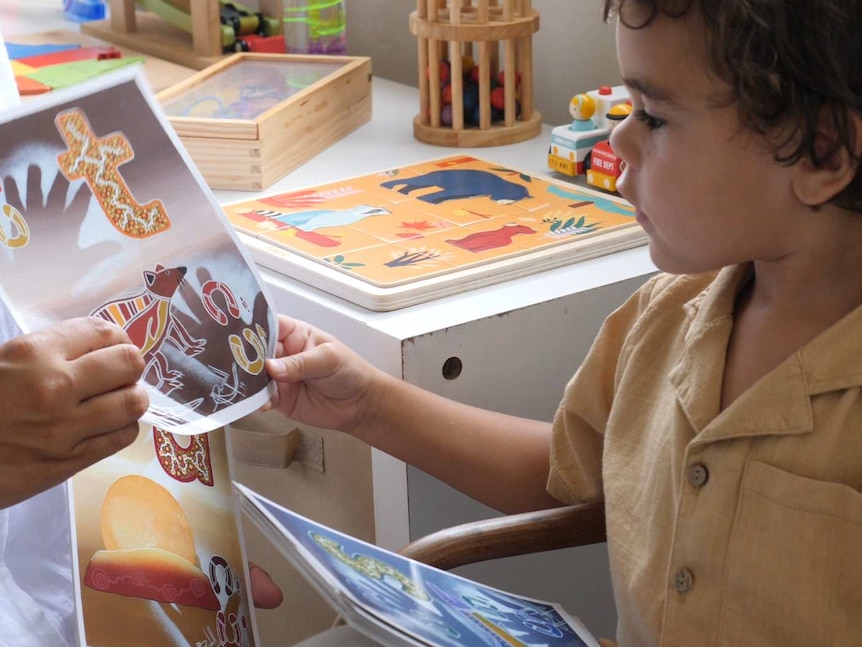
[708, 193]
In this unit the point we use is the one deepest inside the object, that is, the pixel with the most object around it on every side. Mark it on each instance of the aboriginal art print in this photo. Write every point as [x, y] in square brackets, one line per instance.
[440, 226]
[159, 550]
[101, 214]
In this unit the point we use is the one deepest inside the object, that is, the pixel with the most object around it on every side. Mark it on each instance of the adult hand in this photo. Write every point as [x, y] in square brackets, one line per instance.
[265, 593]
[68, 398]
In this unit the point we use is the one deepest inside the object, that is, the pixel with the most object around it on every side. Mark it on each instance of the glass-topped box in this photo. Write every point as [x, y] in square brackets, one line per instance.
[252, 118]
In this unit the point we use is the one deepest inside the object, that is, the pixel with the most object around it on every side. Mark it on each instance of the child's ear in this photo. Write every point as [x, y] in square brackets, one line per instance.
[816, 184]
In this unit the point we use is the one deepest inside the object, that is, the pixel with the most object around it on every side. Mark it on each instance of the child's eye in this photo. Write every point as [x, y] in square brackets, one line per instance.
[651, 122]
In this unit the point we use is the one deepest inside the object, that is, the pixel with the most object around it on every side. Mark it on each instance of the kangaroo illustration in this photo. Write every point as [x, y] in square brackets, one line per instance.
[147, 319]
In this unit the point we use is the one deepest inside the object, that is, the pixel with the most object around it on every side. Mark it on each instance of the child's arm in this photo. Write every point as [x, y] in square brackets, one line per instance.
[500, 460]
[68, 398]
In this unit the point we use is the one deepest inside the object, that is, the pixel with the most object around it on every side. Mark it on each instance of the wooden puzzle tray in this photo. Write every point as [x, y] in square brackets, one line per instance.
[412, 234]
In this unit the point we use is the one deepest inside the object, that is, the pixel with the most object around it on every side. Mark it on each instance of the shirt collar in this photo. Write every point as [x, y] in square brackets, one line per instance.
[716, 302]
[833, 360]
[697, 375]
[780, 403]
[777, 404]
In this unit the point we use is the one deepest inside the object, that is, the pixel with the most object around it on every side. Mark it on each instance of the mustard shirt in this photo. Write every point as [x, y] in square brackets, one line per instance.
[741, 528]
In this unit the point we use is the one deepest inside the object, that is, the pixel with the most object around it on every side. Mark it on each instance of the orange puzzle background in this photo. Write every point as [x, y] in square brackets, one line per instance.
[398, 226]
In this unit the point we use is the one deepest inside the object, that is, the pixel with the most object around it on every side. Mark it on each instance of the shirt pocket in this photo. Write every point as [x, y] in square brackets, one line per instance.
[794, 569]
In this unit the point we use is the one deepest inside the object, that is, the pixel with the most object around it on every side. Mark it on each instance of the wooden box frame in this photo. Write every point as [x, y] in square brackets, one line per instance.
[251, 154]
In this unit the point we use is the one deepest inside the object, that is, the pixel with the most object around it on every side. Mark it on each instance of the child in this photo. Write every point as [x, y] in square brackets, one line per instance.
[719, 412]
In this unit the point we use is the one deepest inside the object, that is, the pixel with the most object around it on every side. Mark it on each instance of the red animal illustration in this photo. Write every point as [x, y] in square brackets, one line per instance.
[484, 240]
[147, 319]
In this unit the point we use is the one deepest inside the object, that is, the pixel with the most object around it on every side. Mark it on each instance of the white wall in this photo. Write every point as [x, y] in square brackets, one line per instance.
[573, 50]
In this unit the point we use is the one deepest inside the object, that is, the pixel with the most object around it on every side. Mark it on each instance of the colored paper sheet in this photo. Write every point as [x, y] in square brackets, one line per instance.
[59, 76]
[20, 69]
[71, 55]
[28, 87]
[102, 214]
[19, 50]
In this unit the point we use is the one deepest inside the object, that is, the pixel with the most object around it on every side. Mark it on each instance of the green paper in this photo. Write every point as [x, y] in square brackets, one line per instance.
[58, 76]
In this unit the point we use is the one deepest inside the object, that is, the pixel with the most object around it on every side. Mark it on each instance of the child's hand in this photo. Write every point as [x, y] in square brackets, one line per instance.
[68, 398]
[321, 382]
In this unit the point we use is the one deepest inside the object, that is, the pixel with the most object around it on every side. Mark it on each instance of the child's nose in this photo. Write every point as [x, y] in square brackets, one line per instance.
[622, 141]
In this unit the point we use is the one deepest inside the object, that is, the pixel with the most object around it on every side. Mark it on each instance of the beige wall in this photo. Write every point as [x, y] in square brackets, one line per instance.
[573, 50]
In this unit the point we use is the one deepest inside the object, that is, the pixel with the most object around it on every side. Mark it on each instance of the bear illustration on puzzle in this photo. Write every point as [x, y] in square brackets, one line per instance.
[455, 184]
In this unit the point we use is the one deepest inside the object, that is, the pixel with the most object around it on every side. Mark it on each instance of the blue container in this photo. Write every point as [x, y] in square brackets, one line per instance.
[84, 10]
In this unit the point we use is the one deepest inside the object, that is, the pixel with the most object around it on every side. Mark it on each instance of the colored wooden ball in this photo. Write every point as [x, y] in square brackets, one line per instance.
[467, 64]
[446, 115]
[471, 96]
[498, 98]
[501, 78]
[446, 93]
[444, 71]
[476, 115]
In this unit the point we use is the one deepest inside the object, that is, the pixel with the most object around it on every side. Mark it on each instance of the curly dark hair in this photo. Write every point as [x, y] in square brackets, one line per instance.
[790, 63]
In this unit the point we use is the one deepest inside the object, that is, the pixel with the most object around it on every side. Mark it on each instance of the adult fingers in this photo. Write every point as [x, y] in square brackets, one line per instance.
[109, 411]
[106, 369]
[99, 446]
[265, 593]
[76, 337]
[90, 431]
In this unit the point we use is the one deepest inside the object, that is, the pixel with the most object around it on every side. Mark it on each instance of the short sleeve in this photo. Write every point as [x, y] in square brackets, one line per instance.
[580, 420]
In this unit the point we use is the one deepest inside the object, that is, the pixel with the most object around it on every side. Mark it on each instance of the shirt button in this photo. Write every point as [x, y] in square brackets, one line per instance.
[683, 580]
[697, 475]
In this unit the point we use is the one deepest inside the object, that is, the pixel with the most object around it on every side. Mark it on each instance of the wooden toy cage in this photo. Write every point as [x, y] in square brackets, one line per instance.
[500, 31]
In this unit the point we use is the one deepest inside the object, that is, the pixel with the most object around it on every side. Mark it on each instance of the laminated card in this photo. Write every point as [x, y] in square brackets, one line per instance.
[159, 550]
[402, 602]
[103, 214]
